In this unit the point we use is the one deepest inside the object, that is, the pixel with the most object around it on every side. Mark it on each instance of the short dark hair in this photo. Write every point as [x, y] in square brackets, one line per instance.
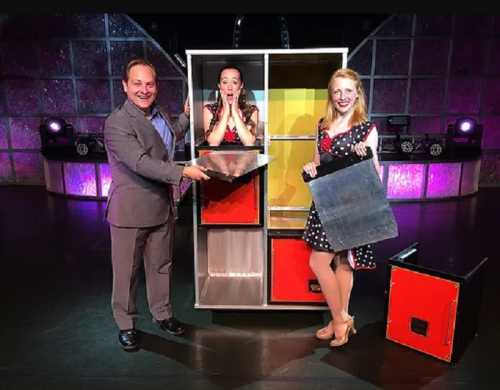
[134, 62]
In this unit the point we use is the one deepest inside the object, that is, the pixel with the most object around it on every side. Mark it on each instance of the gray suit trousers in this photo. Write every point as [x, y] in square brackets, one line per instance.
[129, 248]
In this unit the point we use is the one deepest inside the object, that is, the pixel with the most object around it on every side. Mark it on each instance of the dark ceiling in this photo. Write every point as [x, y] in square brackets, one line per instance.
[178, 32]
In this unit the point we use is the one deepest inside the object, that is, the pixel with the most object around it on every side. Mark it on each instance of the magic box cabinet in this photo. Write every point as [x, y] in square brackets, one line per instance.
[248, 253]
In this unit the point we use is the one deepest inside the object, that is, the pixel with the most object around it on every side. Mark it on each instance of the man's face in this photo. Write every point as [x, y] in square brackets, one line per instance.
[141, 88]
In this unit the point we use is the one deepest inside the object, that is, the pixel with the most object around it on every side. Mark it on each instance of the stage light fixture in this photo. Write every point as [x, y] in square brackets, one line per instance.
[90, 144]
[435, 149]
[465, 126]
[407, 146]
[57, 136]
[463, 138]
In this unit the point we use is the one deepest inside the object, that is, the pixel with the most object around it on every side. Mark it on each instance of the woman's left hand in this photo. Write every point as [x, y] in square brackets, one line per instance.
[235, 107]
[359, 148]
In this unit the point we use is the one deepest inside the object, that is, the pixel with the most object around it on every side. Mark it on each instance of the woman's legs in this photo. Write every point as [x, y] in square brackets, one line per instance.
[345, 279]
[330, 287]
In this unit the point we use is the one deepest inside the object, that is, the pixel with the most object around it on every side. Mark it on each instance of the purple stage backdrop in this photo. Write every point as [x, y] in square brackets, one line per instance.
[70, 66]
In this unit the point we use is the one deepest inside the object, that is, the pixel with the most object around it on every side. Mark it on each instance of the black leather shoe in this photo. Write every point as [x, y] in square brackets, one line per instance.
[171, 325]
[128, 339]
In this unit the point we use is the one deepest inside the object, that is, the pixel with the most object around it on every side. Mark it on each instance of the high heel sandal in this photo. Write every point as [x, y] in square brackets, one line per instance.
[325, 333]
[337, 342]
[353, 329]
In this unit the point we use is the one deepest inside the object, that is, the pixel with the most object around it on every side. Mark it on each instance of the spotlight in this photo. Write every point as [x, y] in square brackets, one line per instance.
[57, 136]
[465, 125]
[463, 138]
[55, 125]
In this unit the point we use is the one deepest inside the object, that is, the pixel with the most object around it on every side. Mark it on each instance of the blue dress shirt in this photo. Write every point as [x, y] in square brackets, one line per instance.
[162, 127]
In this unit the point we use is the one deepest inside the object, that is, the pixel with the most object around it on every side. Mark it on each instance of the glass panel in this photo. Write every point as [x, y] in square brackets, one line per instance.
[21, 96]
[470, 177]
[389, 96]
[80, 179]
[392, 57]
[463, 95]
[3, 133]
[24, 133]
[405, 181]
[468, 57]
[105, 175]
[491, 132]
[283, 220]
[29, 168]
[229, 165]
[121, 25]
[362, 60]
[54, 176]
[58, 96]
[433, 25]
[5, 167]
[437, 49]
[490, 94]
[426, 96]
[94, 96]
[397, 25]
[443, 180]
[91, 58]
[122, 53]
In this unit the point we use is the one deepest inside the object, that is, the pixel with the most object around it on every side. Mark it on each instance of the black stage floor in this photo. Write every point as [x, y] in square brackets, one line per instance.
[58, 332]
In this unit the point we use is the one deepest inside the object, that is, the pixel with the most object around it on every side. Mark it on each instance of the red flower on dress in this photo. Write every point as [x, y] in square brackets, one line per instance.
[229, 136]
[326, 143]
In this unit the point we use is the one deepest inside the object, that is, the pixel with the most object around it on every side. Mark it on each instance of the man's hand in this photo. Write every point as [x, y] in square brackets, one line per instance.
[195, 172]
[187, 108]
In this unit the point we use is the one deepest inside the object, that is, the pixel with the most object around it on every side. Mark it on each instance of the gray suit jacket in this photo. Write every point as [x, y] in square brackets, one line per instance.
[140, 194]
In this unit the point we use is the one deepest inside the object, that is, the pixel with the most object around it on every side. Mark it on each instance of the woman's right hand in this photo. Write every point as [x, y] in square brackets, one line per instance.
[310, 169]
[225, 105]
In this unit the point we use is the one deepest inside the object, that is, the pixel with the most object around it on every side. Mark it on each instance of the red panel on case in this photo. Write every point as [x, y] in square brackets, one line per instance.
[427, 298]
[227, 203]
[230, 203]
[290, 271]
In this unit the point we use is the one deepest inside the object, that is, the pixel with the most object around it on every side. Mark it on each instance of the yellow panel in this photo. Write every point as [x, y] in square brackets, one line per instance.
[298, 110]
[285, 185]
[319, 106]
[295, 111]
[276, 112]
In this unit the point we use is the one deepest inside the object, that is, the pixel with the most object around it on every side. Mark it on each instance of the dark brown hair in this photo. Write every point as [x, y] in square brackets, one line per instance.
[242, 101]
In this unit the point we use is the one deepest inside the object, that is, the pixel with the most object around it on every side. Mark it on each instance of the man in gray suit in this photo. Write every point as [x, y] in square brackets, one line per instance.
[140, 144]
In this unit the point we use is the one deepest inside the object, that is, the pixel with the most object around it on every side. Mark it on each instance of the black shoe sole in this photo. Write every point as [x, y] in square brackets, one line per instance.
[173, 333]
[130, 347]
[168, 331]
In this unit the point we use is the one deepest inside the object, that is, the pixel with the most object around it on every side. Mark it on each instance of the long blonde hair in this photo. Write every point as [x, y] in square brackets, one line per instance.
[359, 114]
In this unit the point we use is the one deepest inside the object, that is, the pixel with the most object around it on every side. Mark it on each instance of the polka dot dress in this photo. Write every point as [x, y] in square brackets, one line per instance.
[331, 148]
